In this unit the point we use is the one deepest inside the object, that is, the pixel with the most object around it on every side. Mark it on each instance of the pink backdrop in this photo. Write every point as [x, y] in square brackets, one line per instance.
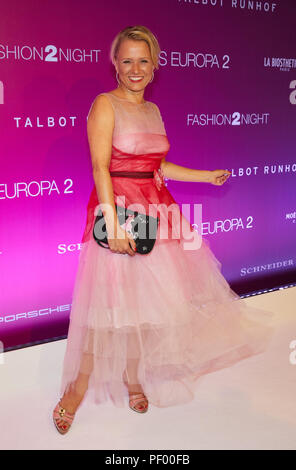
[226, 90]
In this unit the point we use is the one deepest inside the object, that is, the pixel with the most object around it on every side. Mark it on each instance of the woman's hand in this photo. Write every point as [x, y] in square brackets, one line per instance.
[122, 243]
[218, 177]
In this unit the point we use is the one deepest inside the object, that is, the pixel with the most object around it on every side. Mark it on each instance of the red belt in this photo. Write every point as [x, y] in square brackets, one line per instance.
[133, 174]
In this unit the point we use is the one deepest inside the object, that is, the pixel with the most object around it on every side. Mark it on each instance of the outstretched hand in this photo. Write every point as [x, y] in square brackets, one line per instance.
[218, 177]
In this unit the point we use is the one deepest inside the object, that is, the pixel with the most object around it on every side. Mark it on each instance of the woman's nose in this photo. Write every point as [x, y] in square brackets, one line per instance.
[136, 68]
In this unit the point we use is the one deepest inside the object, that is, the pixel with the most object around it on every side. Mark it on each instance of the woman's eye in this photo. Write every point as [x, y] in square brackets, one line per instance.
[127, 61]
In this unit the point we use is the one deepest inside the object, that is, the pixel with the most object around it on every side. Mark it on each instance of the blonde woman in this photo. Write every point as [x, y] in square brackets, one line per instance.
[145, 326]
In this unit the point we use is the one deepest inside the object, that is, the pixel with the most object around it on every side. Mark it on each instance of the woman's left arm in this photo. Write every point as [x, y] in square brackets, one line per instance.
[181, 173]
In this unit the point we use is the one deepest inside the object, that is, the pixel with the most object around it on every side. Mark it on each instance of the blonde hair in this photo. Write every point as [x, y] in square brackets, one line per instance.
[138, 33]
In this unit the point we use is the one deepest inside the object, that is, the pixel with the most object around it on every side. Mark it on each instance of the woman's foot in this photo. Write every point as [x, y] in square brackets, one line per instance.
[137, 399]
[64, 412]
[62, 419]
[138, 402]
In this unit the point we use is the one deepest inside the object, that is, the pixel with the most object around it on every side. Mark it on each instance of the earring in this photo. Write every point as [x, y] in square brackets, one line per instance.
[117, 77]
[152, 77]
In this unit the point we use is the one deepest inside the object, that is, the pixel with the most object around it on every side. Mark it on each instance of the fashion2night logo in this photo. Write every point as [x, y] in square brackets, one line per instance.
[48, 53]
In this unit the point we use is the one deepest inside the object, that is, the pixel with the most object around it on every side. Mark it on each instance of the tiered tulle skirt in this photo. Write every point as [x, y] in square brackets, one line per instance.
[166, 318]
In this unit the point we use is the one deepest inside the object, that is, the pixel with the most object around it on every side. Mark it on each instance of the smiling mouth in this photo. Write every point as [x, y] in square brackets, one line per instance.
[135, 79]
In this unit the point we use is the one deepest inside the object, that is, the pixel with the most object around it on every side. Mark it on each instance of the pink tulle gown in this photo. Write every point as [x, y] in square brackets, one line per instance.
[160, 320]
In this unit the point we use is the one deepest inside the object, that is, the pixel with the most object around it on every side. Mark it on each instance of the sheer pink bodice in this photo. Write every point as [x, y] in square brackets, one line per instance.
[139, 143]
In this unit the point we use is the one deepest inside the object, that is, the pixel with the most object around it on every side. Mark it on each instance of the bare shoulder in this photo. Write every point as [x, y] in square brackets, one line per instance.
[101, 113]
[100, 126]
[101, 104]
[155, 107]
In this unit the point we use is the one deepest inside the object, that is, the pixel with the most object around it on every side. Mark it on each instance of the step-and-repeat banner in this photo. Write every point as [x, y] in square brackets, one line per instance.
[226, 88]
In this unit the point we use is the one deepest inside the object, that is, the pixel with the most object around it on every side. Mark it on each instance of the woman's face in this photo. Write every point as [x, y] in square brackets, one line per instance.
[134, 61]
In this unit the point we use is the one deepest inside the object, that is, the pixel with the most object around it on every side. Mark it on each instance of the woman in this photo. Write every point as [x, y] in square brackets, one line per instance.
[149, 325]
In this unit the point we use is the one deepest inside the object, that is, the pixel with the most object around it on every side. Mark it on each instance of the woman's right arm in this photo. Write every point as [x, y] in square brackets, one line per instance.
[100, 125]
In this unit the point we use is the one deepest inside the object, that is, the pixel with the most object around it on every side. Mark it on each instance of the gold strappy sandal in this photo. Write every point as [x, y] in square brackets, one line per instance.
[62, 419]
[138, 398]
[135, 398]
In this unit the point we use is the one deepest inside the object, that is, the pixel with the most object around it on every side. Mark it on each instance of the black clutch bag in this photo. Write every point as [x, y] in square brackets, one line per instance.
[142, 228]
